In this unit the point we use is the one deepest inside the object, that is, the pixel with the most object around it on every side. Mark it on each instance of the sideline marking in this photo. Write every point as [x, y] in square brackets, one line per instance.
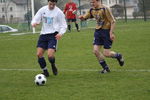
[76, 70]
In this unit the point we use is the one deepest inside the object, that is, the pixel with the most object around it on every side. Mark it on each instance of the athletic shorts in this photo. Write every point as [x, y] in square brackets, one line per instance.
[102, 37]
[47, 41]
[71, 20]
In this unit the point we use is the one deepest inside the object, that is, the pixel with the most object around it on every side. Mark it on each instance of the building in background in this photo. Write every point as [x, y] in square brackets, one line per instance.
[110, 3]
[12, 11]
[117, 6]
[131, 7]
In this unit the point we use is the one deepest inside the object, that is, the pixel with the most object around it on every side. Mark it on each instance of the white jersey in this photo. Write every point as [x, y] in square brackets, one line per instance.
[52, 20]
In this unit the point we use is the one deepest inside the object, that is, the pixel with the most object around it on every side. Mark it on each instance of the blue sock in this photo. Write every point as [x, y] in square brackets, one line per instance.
[103, 64]
[117, 55]
[42, 63]
[52, 60]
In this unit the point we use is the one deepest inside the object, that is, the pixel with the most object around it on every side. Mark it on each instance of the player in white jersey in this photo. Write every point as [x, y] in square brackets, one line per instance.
[53, 27]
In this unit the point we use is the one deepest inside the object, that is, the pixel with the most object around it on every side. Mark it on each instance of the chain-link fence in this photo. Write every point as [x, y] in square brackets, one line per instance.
[123, 9]
[18, 12]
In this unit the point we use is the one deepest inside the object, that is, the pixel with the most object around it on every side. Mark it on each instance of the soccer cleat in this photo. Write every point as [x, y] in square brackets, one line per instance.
[54, 69]
[78, 30]
[106, 70]
[69, 31]
[120, 60]
[46, 73]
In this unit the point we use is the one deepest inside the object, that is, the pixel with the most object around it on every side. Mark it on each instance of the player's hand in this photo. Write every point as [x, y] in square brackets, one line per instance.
[34, 24]
[64, 13]
[74, 12]
[58, 36]
[81, 17]
[112, 36]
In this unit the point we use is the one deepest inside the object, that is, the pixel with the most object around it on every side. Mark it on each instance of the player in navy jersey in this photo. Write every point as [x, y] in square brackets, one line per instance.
[53, 27]
[104, 33]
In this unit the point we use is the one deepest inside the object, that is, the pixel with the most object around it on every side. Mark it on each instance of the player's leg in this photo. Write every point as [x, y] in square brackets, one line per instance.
[107, 46]
[112, 54]
[97, 53]
[51, 58]
[41, 47]
[97, 45]
[69, 25]
[41, 61]
[76, 24]
[52, 44]
[100, 58]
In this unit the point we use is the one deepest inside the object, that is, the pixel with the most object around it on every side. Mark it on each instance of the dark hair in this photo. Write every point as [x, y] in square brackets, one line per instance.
[52, 1]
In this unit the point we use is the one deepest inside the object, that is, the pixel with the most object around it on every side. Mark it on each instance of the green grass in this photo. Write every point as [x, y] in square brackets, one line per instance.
[79, 77]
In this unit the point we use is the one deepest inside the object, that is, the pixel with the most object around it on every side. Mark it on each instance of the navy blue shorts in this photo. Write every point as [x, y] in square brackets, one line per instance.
[47, 41]
[71, 20]
[102, 37]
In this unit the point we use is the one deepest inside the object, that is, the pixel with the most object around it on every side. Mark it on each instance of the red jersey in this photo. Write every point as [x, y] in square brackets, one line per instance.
[69, 8]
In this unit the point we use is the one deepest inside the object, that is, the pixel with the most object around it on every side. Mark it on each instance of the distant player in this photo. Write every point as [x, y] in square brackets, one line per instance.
[104, 33]
[70, 12]
[53, 27]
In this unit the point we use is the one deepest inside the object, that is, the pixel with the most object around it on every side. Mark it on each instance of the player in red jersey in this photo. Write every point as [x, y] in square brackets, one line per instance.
[70, 12]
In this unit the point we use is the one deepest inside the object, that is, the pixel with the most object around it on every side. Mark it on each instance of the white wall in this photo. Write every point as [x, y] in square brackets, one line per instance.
[18, 11]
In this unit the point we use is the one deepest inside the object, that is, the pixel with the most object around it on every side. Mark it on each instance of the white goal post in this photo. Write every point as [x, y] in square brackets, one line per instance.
[33, 12]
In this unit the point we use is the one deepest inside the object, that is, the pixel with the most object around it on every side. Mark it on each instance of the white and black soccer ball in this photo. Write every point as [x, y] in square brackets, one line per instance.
[40, 79]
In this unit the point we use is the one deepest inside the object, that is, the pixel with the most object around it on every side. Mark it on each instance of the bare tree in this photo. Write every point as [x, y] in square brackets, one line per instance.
[60, 3]
[39, 3]
[6, 6]
[43, 2]
[144, 7]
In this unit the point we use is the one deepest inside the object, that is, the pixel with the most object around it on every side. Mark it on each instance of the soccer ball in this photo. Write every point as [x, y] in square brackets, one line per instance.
[40, 79]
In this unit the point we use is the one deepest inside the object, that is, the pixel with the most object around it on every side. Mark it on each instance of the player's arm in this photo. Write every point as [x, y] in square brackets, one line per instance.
[86, 16]
[75, 9]
[36, 19]
[65, 9]
[62, 25]
[112, 20]
[74, 12]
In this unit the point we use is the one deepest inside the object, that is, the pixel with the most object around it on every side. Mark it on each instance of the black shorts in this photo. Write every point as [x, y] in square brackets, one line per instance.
[102, 37]
[47, 41]
[71, 20]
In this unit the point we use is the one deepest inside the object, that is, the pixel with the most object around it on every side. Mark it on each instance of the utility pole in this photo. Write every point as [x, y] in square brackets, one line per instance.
[80, 6]
[144, 10]
[32, 5]
[125, 10]
[28, 16]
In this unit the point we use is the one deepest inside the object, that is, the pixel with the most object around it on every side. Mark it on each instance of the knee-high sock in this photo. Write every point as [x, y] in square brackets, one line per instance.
[103, 64]
[77, 26]
[42, 63]
[117, 56]
[69, 27]
[52, 61]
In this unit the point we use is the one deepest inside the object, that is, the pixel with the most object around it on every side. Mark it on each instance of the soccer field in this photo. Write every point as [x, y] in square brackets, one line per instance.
[79, 77]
